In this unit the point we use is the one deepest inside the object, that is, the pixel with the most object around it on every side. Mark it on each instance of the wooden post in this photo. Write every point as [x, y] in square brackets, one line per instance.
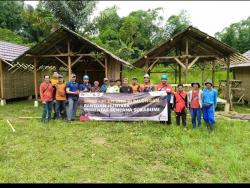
[202, 76]
[175, 74]
[35, 83]
[179, 74]
[106, 67]
[146, 67]
[69, 61]
[213, 72]
[186, 64]
[228, 84]
[2, 84]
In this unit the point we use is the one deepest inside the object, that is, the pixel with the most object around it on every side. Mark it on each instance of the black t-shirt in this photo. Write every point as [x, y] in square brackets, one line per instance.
[126, 89]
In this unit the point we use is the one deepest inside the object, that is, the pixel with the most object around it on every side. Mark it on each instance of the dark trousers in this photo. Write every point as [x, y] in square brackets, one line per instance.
[181, 116]
[61, 109]
[47, 108]
[54, 109]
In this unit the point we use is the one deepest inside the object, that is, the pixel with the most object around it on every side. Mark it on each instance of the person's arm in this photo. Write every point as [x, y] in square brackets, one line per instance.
[186, 101]
[41, 93]
[68, 89]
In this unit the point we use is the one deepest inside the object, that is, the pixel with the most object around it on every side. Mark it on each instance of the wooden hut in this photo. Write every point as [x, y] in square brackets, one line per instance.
[189, 47]
[16, 81]
[67, 49]
[241, 73]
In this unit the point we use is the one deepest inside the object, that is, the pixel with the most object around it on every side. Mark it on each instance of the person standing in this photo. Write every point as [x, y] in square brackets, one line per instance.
[61, 98]
[85, 86]
[209, 103]
[180, 105]
[72, 90]
[46, 93]
[112, 88]
[195, 103]
[104, 85]
[54, 81]
[146, 86]
[164, 86]
[118, 82]
[134, 85]
[96, 87]
[125, 88]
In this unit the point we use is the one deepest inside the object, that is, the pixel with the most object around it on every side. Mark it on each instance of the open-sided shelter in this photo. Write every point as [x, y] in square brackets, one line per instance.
[68, 51]
[189, 47]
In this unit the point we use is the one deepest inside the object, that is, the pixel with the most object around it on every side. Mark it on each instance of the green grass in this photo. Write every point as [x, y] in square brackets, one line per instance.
[136, 152]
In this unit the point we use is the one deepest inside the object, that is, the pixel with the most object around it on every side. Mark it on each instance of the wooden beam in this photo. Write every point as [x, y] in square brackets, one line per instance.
[61, 61]
[35, 79]
[193, 62]
[213, 72]
[69, 61]
[152, 65]
[106, 66]
[99, 62]
[6, 62]
[76, 60]
[180, 63]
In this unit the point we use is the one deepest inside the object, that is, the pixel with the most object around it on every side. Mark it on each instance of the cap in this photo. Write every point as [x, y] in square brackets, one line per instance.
[112, 80]
[60, 76]
[209, 82]
[134, 78]
[105, 79]
[85, 77]
[118, 80]
[196, 82]
[164, 77]
[146, 75]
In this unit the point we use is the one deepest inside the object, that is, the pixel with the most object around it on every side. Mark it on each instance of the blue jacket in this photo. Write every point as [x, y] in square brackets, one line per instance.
[84, 86]
[209, 97]
[103, 88]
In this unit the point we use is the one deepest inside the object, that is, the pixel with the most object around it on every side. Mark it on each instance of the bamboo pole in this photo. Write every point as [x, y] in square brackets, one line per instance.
[106, 67]
[69, 62]
[2, 83]
[179, 74]
[186, 63]
[35, 83]
[213, 71]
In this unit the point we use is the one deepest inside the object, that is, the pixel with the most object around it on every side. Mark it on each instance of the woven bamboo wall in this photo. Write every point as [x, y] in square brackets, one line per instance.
[243, 73]
[20, 83]
[114, 69]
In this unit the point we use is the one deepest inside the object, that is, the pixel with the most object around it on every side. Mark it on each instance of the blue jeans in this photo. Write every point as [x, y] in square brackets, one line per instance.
[73, 104]
[47, 108]
[195, 115]
[208, 114]
[61, 109]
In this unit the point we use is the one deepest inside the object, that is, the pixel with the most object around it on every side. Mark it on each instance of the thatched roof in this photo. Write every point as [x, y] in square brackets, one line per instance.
[47, 46]
[244, 63]
[9, 51]
[200, 43]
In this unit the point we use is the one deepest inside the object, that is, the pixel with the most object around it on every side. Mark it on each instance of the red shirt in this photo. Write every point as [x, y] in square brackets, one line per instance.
[195, 99]
[46, 92]
[180, 101]
[168, 88]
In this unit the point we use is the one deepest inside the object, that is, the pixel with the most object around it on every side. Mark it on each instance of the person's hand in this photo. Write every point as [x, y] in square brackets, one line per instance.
[43, 102]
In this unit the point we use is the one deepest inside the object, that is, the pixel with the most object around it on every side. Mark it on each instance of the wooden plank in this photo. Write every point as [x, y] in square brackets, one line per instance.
[35, 79]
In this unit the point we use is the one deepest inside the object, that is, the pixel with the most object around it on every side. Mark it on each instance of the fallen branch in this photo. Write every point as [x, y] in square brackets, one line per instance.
[11, 126]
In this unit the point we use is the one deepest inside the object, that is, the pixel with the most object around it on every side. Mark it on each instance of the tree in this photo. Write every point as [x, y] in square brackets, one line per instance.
[176, 23]
[236, 35]
[73, 14]
[10, 14]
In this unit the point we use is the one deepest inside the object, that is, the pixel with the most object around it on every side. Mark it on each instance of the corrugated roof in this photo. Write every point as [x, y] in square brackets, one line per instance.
[245, 63]
[9, 51]
[60, 34]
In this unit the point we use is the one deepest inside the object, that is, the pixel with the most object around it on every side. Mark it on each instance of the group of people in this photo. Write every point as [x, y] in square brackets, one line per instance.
[54, 94]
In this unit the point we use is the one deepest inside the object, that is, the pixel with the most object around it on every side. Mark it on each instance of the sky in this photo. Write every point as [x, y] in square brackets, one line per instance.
[208, 16]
